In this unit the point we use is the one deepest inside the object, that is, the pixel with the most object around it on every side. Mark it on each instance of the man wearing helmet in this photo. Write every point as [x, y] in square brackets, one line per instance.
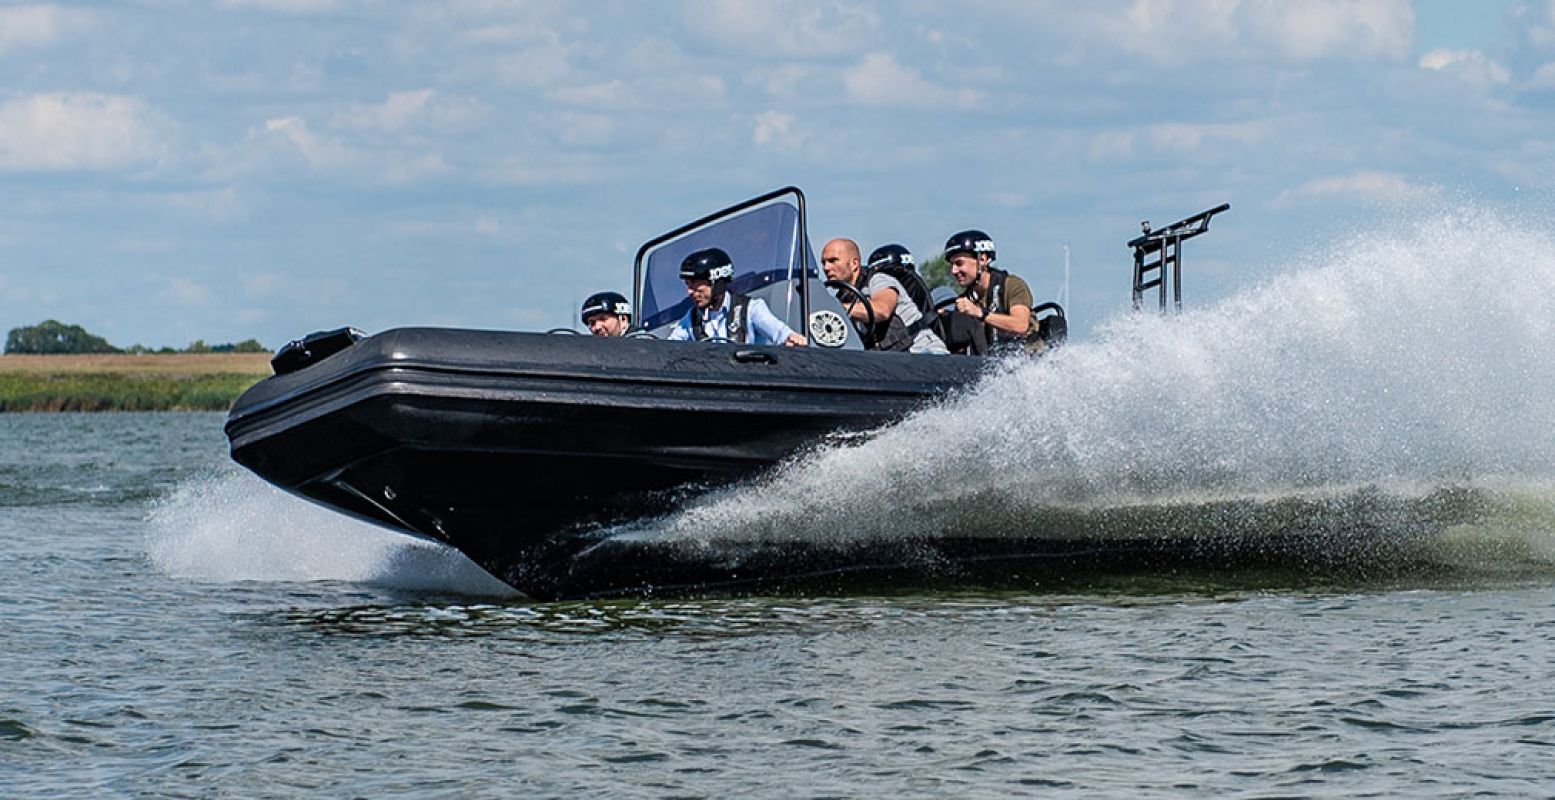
[901, 321]
[718, 312]
[607, 314]
[994, 307]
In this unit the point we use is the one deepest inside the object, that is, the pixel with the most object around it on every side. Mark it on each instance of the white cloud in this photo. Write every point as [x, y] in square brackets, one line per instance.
[559, 169]
[1187, 31]
[536, 67]
[879, 80]
[1308, 30]
[651, 92]
[1111, 145]
[284, 6]
[184, 292]
[613, 93]
[421, 108]
[263, 284]
[213, 205]
[585, 129]
[290, 144]
[1185, 137]
[1469, 66]
[1542, 79]
[783, 28]
[318, 151]
[1540, 29]
[787, 80]
[1382, 188]
[775, 129]
[65, 132]
[1174, 137]
[39, 25]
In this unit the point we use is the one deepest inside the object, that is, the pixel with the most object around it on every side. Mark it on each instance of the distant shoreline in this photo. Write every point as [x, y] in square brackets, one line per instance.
[118, 382]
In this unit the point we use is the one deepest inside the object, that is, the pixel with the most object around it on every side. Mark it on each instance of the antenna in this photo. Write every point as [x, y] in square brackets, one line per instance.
[1063, 291]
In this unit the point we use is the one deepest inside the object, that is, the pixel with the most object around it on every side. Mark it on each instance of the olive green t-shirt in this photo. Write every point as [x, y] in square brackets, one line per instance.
[1016, 293]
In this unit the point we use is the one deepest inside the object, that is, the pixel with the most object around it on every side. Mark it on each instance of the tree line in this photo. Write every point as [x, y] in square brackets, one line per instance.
[52, 337]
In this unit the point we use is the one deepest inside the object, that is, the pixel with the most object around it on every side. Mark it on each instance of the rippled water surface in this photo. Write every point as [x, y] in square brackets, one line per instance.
[173, 628]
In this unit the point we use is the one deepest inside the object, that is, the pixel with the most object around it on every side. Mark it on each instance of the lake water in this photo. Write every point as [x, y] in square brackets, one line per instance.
[173, 628]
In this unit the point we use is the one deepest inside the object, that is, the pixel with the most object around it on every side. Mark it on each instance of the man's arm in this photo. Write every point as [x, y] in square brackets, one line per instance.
[682, 330]
[883, 301]
[1018, 298]
[884, 291]
[1017, 321]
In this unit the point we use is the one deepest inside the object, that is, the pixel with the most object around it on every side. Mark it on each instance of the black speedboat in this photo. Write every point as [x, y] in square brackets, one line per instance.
[511, 447]
[529, 452]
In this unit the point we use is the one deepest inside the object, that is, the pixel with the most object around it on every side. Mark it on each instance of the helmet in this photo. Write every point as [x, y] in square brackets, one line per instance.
[891, 255]
[605, 303]
[974, 241]
[711, 264]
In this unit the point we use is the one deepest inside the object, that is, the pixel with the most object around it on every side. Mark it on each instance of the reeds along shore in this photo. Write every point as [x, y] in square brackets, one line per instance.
[127, 383]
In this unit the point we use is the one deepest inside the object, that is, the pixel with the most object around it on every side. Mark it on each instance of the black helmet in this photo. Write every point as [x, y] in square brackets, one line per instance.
[605, 303]
[711, 264]
[891, 255]
[974, 241]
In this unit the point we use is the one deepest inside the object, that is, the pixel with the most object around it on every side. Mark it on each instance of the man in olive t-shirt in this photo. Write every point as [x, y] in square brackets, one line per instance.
[994, 307]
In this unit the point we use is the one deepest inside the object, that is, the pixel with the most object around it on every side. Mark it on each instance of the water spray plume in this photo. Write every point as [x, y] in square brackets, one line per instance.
[233, 527]
[1398, 365]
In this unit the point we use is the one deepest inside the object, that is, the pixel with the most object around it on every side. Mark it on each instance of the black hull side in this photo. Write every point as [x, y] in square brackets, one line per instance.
[503, 445]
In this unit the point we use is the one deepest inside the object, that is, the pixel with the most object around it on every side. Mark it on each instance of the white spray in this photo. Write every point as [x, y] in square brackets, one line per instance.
[1399, 363]
[234, 527]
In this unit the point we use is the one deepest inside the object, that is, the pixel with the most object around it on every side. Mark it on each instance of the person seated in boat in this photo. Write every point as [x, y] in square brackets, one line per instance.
[900, 319]
[718, 312]
[994, 308]
[607, 314]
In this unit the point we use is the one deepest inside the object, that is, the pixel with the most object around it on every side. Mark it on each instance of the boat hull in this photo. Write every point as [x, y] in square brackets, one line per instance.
[508, 445]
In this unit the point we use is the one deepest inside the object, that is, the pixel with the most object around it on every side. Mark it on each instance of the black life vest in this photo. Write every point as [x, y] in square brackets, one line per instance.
[739, 330]
[997, 303]
[893, 334]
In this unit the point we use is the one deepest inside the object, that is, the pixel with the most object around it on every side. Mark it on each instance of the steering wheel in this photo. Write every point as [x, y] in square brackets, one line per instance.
[858, 297]
[640, 335]
[565, 330]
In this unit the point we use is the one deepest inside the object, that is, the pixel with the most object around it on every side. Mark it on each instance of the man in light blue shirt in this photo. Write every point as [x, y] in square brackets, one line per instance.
[718, 312]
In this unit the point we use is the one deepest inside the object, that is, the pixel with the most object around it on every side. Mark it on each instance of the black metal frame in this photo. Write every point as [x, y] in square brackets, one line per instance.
[1166, 245]
[804, 248]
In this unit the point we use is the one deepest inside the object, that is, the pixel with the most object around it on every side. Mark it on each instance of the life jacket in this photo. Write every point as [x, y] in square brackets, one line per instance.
[739, 331]
[892, 333]
[997, 303]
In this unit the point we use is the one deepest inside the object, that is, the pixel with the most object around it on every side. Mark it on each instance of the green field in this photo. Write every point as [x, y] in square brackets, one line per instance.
[127, 383]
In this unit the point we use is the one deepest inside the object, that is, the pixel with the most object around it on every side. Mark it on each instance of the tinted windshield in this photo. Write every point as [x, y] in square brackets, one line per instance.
[765, 244]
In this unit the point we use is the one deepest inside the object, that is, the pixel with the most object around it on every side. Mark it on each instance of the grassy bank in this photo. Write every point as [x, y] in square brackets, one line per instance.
[127, 383]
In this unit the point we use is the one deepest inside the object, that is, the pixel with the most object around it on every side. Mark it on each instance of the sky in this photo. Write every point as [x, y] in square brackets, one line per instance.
[237, 169]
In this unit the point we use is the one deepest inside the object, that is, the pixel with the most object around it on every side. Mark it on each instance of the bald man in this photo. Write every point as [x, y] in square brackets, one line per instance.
[899, 323]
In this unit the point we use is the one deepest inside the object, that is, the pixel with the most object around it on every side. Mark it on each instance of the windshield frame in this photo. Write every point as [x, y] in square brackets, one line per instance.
[803, 247]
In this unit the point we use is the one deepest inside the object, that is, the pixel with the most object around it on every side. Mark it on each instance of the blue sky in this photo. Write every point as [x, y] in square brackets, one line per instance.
[262, 168]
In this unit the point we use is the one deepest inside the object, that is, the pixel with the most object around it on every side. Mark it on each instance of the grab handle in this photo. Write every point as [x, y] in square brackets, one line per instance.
[754, 357]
